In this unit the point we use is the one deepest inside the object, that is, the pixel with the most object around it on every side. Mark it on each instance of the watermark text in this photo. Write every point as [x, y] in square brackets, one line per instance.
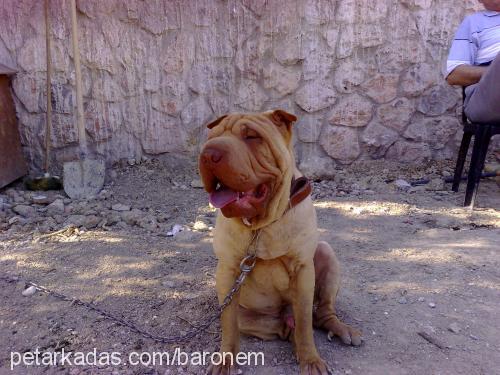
[176, 357]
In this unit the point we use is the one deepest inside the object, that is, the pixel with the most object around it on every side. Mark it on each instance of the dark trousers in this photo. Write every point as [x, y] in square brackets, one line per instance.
[482, 100]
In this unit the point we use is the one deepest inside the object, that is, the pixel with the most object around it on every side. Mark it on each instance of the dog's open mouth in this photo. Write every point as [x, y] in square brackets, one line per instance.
[224, 195]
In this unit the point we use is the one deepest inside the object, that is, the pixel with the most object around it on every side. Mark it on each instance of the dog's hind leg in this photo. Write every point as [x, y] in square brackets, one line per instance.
[327, 278]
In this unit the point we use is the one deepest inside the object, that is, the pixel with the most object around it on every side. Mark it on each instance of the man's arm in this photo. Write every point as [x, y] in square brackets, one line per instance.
[465, 75]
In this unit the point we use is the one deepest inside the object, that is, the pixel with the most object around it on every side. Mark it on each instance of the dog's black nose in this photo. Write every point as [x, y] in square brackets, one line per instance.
[211, 155]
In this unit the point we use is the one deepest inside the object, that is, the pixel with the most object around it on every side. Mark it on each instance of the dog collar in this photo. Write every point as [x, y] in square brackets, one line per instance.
[300, 189]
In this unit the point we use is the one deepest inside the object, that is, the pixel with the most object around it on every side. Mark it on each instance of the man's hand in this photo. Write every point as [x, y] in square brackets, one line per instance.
[465, 75]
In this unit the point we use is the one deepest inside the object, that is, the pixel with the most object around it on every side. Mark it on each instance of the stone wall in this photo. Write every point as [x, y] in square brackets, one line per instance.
[363, 76]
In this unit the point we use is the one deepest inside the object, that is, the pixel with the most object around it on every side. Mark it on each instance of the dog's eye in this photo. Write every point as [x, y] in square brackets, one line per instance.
[249, 134]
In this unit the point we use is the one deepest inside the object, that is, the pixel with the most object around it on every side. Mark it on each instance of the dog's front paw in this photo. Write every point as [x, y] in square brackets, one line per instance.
[223, 370]
[315, 366]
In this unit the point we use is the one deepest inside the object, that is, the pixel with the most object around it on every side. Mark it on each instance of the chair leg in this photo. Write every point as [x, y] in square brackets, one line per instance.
[481, 143]
[462, 154]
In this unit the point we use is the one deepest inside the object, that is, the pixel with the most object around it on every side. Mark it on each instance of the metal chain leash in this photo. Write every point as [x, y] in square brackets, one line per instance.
[246, 266]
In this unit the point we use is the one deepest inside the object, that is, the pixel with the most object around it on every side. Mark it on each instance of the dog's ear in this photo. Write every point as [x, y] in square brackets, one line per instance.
[280, 117]
[216, 122]
[284, 121]
[283, 118]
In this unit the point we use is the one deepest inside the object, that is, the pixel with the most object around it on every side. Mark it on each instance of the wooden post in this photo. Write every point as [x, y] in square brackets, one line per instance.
[48, 122]
[78, 79]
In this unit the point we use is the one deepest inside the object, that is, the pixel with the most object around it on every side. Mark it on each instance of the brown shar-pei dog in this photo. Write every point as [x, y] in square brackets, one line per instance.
[247, 165]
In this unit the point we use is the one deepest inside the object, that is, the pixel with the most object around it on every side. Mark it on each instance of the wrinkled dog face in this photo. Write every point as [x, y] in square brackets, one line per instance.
[243, 160]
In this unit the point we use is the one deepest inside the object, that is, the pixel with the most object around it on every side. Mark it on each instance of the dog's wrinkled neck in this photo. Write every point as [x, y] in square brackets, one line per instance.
[300, 189]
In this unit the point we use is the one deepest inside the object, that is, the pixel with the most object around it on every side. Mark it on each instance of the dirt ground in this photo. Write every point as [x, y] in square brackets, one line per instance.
[413, 261]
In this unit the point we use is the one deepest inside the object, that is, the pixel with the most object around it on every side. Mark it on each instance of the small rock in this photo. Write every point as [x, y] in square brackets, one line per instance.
[91, 221]
[121, 225]
[454, 327]
[177, 228]
[18, 199]
[14, 219]
[56, 207]
[186, 235]
[11, 193]
[402, 185]
[421, 299]
[197, 184]
[76, 220]
[432, 305]
[48, 224]
[103, 194]
[132, 217]
[435, 184]
[113, 218]
[446, 173]
[29, 291]
[59, 219]
[24, 210]
[403, 300]
[41, 199]
[90, 211]
[200, 226]
[131, 161]
[120, 207]
[103, 223]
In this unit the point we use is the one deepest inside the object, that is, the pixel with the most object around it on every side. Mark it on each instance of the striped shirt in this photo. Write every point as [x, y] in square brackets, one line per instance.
[477, 40]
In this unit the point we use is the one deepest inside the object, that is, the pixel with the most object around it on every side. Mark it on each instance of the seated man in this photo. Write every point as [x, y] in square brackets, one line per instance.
[474, 61]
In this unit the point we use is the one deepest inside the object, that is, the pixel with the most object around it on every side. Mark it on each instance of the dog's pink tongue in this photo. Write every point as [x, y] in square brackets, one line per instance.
[223, 197]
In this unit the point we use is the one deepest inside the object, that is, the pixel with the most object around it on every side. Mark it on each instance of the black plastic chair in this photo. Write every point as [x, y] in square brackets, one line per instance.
[482, 133]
